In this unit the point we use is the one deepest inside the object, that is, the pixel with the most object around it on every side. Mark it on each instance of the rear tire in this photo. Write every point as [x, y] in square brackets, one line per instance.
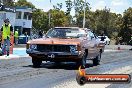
[36, 62]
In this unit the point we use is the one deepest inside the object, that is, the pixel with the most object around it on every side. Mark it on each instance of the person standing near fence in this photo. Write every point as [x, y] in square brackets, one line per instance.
[16, 36]
[40, 34]
[26, 34]
[7, 32]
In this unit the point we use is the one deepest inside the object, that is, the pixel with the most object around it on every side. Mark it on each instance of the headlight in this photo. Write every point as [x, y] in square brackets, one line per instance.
[33, 46]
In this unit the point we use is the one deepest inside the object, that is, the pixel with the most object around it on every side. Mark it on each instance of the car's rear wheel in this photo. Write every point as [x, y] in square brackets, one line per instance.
[82, 61]
[96, 61]
[36, 62]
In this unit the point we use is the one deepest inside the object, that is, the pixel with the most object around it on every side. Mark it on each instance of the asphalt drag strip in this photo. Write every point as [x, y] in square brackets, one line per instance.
[18, 73]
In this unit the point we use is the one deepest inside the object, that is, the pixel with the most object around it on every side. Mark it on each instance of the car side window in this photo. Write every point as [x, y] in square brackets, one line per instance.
[95, 36]
[90, 35]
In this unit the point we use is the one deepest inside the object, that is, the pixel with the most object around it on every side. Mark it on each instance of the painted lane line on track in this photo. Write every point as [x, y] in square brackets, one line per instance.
[12, 56]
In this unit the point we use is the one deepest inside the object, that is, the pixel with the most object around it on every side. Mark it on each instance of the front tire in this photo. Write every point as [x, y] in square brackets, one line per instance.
[96, 61]
[36, 62]
[83, 60]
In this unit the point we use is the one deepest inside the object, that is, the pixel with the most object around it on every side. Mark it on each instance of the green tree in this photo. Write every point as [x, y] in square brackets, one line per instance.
[58, 6]
[24, 3]
[69, 5]
[115, 24]
[58, 18]
[79, 12]
[126, 30]
[40, 20]
[104, 21]
[8, 2]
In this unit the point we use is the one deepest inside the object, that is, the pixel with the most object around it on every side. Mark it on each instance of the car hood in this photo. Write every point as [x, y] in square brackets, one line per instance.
[55, 41]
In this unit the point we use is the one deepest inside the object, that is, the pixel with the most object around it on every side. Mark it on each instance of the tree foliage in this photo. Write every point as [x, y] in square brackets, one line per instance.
[58, 18]
[58, 6]
[69, 5]
[8, 2]
[24, 3]
[112, 24]
[126, 31]
[40, 19]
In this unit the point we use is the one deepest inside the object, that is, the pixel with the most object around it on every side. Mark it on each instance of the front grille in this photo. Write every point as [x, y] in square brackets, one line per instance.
[53, 48]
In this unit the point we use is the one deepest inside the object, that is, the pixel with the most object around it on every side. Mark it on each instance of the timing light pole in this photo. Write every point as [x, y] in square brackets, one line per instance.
[84, 14]
[50, 15]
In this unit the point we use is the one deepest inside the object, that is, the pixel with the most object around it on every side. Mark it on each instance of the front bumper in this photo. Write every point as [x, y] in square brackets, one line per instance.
[54, 56]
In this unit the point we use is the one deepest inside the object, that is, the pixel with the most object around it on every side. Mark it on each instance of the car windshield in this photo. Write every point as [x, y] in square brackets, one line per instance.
[65, 33]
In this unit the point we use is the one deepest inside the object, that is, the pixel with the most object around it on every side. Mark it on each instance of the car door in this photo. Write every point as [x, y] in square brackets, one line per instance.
[92, 45]
[99, 45]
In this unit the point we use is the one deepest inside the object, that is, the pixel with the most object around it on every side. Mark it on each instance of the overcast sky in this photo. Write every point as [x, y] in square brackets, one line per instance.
[117, 6]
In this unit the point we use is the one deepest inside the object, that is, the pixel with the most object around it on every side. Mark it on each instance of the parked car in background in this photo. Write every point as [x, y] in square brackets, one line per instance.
[65, 44]
[101, 45]
[106, 39]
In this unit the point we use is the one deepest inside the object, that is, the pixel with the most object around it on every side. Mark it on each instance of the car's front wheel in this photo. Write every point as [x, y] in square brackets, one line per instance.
[36, 62]
[96, 61]
[82, 61]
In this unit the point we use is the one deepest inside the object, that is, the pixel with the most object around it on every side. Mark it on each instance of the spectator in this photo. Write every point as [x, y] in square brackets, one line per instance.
[26, 37]
[40, 34]
[7, 31]
[102, 37]
[16, 37]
